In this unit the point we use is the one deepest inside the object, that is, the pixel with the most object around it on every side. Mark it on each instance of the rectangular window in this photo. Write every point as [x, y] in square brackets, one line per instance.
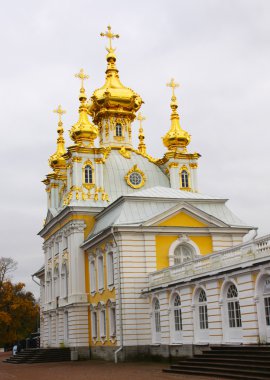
[110, 269]
[234, 314]
[178, 320]
[267, 310]
[157, 321]
[112, 322]
[92, 276]
[100, 273]
[203, 315]
[57, 248]
[94, 324]
[102, 323]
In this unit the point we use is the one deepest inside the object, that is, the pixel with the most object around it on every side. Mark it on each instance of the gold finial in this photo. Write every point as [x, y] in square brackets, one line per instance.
[173, 85]
[82, 76]
[57, 160]
[141, 146]
[83, 132]
[59, 110]
[109, 34]
[141, 118]
[176, 138]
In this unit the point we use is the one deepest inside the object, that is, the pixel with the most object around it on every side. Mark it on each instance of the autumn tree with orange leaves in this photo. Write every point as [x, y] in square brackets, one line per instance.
[18, 312]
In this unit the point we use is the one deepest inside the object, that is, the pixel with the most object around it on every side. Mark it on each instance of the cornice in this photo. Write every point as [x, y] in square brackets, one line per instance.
[66, 212]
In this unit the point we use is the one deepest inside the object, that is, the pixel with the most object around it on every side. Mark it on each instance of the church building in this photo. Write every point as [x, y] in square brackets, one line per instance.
[138, 262]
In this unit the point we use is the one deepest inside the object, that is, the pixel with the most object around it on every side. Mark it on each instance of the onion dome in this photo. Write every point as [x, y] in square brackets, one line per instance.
[57, 161]
[176, 138]
[113, 98]
[83, 132]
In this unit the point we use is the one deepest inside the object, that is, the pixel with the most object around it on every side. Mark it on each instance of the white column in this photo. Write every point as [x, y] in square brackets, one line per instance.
[76, 262]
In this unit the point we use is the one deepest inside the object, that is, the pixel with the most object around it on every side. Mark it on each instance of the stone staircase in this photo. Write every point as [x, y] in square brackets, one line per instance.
[233, 362]
[40, 355]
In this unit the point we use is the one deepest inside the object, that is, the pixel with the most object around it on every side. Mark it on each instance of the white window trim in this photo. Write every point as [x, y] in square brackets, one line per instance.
[156, 335]
[100, 273]
[93, 276]
[102, 325]
[182, 239]
[110, 270]
[94, 323]
[112, 316]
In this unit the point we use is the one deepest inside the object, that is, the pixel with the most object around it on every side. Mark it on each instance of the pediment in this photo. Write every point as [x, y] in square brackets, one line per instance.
[185, 215]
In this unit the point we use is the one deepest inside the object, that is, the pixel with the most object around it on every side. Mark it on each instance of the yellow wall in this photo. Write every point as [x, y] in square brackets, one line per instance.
[164, 242]
[182, 220]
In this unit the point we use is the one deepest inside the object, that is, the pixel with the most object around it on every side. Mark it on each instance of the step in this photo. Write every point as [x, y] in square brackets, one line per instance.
[255, 347]
[228, 360]
[217, 375]
[232, 366]
[235, 352]
[224, 370]
[228, 357]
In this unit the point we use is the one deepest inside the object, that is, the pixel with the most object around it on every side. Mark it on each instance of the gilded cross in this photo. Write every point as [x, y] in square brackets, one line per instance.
[109, 34]
[60, 112]
[141, 118]
[173, 85]
[82, 76]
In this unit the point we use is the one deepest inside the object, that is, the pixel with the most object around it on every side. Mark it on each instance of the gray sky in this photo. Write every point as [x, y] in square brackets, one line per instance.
[218, 50]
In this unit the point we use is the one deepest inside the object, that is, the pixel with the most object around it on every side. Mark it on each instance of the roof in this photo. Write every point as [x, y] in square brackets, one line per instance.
[141, 206]
[167, 192]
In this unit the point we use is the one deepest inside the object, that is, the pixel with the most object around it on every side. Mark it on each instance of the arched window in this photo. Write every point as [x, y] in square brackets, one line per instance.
[118, 130]
[234, 312]
[177, 313]
[88, 174]
[203, 313]
[266, 295]
[157, 316]
[183, 253]
[184, 179]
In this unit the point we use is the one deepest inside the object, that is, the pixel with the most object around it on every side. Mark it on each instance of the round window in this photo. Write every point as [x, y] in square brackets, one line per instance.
[135, 178]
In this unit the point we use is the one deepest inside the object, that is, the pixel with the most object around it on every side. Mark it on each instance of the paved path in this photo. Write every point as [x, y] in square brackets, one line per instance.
[88, 370]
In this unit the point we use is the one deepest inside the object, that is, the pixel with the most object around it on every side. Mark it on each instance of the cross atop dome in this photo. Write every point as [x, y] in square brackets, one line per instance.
[82, 76]
[110, 35]
[173, 85]
[59, 110]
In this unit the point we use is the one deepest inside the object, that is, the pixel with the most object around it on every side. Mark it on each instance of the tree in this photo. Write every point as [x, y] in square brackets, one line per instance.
[7, 265]
[18, 313]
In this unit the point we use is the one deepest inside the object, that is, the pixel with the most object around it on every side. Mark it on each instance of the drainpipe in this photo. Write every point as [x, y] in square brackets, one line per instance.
[119, 299]
[35, 280]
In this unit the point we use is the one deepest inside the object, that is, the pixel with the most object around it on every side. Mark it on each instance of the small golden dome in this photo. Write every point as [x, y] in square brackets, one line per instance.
[176, 137]
[83, 132]
[57, 161]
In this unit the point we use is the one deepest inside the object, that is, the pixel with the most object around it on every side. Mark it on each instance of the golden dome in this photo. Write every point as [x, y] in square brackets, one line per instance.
[113, 97]
[176, 137]
[57, 161]
[83, 132]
